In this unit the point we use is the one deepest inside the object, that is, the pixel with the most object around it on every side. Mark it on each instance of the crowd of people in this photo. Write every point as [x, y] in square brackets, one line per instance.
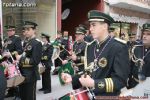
[102, 63]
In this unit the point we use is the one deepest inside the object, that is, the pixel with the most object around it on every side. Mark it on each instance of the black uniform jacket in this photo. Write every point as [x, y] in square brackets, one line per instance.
[13, 44]
[30, 59]
[140, 53]
[47, 52]
[111, 68]
[79, 50]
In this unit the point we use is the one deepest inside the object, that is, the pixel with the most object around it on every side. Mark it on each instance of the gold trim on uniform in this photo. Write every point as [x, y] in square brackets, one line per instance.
[101, 85]
[86, 67]
[112, 83]
[82, 59]
[109, 85]
[45, 58]
[14, 53]
[26, 62]
[29, 47]
[102, 62]
[106, 81]
[27, 65]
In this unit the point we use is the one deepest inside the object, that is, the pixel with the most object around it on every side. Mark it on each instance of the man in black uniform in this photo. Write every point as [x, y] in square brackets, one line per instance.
[79, 48]
[47, 52]
[140, 69]
[29, 61]
[13, 44]
[63, 45]
[106, 59]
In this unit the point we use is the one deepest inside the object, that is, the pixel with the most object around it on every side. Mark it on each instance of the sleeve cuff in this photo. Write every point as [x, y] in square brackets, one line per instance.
[75, 82]
[104, 85]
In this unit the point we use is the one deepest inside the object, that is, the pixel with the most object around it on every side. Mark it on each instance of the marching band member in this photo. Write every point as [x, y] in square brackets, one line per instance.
[28, 62]
[47, 52]
[13, 44]
[140, 72]
[106, 59]
[62, 43]
[79, 48]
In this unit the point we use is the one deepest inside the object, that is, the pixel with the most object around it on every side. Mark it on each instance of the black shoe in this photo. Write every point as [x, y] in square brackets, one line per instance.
[46, 91]
[41, 89]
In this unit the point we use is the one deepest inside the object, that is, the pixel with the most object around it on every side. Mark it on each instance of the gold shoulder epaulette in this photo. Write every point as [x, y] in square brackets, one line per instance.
[120, 40]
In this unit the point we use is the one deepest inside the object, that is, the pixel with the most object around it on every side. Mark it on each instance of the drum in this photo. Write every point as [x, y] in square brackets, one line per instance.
[79, 94]
[67, 68]
[14, 77]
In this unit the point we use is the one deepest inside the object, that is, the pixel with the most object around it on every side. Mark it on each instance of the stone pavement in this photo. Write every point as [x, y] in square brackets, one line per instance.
[57, 90]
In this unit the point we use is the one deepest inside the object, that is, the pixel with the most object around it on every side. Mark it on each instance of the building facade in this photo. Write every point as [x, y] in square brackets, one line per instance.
[43, 12]
[130, 15]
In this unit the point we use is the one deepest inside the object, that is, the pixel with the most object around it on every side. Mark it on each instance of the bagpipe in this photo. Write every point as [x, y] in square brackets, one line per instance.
[69, 67]
[66, 68]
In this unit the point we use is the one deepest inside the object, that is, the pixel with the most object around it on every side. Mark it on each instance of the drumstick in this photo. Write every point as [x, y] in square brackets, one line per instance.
[81, 92]
[60, 58]
[11, 56]
[15, 63]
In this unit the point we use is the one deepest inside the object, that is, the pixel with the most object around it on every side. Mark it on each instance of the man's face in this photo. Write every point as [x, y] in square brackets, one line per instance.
[10, 32]
[44, 39]
[146, 38]
[59, 35]
[79, 37]
[96, 29]
[65, 33]
[29, 32]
